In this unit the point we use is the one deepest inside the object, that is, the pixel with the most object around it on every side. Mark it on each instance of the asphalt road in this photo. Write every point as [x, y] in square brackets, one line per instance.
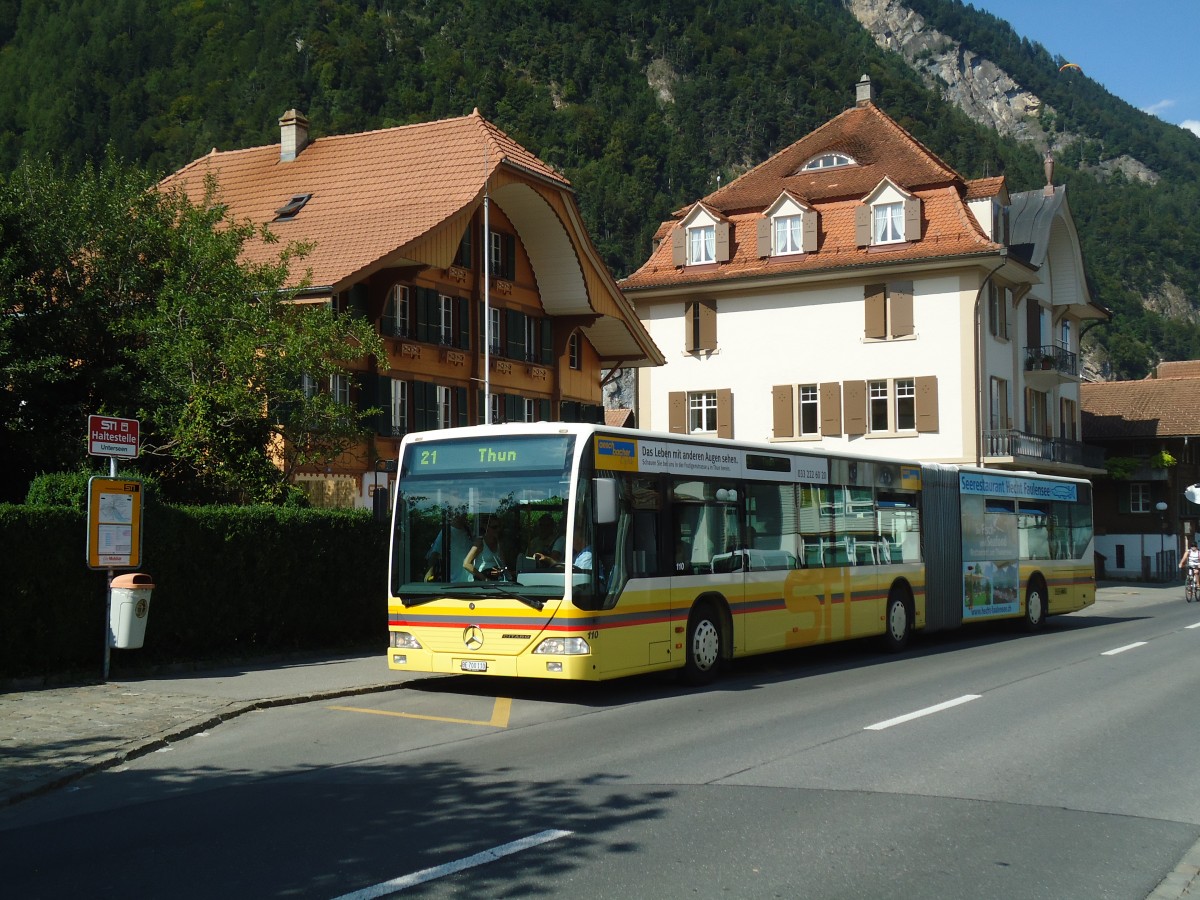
[976, 765]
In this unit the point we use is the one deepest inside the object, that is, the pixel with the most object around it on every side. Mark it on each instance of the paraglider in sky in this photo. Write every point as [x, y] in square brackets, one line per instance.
[1065, 66]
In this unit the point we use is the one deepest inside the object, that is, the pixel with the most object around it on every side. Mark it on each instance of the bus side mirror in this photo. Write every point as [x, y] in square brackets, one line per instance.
[605, 490]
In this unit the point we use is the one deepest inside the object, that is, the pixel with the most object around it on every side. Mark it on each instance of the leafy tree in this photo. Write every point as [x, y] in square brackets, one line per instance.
[118, 298]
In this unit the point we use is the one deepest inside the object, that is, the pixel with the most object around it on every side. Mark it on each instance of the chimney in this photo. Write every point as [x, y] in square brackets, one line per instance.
[293, 135]
[864, 92]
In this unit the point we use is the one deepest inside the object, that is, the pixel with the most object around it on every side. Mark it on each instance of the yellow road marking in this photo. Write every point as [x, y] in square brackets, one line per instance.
[499, 719]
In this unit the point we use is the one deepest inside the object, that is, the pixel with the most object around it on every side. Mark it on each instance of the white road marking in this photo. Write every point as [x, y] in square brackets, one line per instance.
[1117, 650]
[929, 710]
[406, 881]
[1197, 625]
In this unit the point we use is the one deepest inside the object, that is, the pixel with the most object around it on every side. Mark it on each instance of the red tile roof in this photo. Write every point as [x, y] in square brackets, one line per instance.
[1153, 407]
[881, 149]
[372, 192]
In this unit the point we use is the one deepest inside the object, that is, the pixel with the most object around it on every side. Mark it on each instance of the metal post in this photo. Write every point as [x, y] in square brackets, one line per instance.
[112, 473]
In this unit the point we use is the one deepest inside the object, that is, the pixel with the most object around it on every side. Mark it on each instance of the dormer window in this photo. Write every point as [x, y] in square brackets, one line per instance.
[701, 244]
[787, 228]
[827, 161]
[788, 235]
[889, 223]
[292, 207]
[888, 215]
[700, 239]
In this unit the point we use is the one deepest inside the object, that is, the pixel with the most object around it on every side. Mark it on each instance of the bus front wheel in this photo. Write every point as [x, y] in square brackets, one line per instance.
[898, 624]
[1035, 605]
[703, 645]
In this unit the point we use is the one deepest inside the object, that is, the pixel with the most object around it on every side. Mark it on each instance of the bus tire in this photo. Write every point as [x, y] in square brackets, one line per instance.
[1035, 605]
[703, 655]
[897, 625]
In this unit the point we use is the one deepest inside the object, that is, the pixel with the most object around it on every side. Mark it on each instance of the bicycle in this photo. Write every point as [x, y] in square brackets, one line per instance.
[1191, 591]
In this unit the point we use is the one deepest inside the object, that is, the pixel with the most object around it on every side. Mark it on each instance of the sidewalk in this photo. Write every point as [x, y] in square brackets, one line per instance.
[52, 736]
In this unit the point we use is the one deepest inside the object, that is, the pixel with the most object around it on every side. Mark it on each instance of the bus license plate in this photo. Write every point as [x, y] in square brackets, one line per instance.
[474, 665]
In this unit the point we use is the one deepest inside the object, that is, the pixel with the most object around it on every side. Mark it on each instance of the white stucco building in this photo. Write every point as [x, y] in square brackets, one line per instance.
[854, 292]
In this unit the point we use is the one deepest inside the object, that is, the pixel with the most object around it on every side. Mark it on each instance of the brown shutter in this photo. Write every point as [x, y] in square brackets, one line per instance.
[862, 225]
[782, 411]
[689, 326]
[876, 306]
[724, 413]
[927, 403]
[1033, 322]
[854, 405]
[810, 231]
[707, 310]
[831, 409]
[912, 219]
[900, 300]
[763, 227]
[677, 412]
[679, 246]
[722, 248]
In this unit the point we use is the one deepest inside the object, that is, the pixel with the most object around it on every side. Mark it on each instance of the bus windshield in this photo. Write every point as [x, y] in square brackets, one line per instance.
[482, 515]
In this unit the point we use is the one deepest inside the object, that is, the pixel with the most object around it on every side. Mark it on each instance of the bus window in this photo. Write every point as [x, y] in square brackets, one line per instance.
[814, 527]
[899, 527]
[707, 524]
[771, 522]
[1033, 526]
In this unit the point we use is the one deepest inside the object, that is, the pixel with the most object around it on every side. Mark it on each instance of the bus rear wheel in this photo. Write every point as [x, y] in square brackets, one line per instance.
[1035, 605]
[703, 657]
[898, 622]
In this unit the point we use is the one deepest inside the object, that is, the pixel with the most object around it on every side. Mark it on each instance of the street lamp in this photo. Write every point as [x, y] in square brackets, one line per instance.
[1161, 508]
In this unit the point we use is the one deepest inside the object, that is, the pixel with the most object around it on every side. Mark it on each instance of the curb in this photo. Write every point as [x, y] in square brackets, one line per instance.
[144, 746]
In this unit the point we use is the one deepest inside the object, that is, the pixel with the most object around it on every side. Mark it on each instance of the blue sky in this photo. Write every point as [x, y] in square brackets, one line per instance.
[1139, 51]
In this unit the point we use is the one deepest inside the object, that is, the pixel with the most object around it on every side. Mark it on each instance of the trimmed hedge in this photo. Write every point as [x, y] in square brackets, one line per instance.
[230, 583]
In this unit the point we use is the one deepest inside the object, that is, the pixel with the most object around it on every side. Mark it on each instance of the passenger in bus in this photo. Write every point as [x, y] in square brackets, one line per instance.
[484, 560]
[547, 544]
[460, 544]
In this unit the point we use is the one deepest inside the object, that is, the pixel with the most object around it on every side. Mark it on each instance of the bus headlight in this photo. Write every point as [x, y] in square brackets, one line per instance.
[402, 639]
[572, 646]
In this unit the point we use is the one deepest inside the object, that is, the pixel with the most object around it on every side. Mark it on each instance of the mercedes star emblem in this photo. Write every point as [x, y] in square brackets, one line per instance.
[473, 637]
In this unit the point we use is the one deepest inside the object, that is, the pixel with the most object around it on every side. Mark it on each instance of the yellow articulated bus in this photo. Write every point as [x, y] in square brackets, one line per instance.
[568, 551]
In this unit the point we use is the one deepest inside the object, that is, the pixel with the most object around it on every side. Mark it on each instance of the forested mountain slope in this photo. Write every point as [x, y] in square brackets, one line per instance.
[643, 104]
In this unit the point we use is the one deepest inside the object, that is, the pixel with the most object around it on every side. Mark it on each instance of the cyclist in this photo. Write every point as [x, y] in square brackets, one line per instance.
[1190, 561]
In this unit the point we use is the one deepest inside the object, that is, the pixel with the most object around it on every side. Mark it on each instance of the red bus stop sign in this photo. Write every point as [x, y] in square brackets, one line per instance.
[110, 436]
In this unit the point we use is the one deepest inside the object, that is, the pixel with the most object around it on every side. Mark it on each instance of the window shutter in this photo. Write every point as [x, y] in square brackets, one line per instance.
[510, 256]
[460, 404]
[831, 409]
[927, 403]
[1033, 323]
[514, 327]
[677, 412]
[854, 404]
[679, 246]
[875, 296]
[900, 299]
[764, 228]
[424, 406]
[707, 312]
[356, 301]
[724, 413]
[810, 231]
[547, 342]
[513, 406]
[912, 219]
[543, 407]
[463, 311]
[722, 235]
[862, 225]
[782, 411]
[691, 335]
[1123, 498]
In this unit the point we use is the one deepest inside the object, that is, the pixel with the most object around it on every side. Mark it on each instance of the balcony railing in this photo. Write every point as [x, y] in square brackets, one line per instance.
[1021, 446]
[1051, 358]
